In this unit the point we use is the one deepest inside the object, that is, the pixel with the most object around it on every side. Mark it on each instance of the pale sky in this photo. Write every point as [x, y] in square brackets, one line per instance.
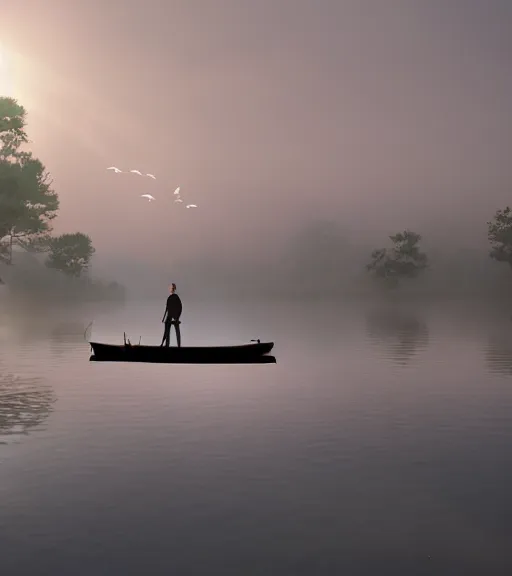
[266, 112]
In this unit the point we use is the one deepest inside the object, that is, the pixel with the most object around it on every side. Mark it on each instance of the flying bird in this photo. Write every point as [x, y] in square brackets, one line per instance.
[136, 172]
[191, 206]
[151, 176]
[178, 200]
[148, 196]
[177, 191]
[116, 170]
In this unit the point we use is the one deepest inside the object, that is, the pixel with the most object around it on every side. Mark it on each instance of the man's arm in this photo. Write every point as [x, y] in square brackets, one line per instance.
[165, 314]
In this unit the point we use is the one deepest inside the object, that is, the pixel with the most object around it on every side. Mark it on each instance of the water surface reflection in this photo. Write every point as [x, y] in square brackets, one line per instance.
[25, 404]
[337, 460]
[403, 334]
[498, 351]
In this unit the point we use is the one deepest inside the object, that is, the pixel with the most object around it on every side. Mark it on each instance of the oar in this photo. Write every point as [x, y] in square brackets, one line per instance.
[85, 332]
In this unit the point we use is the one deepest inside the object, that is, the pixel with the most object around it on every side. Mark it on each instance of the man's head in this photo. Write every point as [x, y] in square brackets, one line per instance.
[172, 288]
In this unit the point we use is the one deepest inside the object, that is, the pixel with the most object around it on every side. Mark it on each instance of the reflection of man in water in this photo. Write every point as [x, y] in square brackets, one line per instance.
[172, 317]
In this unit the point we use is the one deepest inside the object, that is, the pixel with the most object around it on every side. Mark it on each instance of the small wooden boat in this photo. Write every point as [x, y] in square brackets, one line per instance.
[253, 353]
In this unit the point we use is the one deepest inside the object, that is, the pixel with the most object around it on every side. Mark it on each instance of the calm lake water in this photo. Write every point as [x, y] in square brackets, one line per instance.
[380, 443]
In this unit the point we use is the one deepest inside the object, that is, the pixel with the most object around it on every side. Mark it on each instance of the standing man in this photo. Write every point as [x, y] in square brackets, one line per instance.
[172, 317]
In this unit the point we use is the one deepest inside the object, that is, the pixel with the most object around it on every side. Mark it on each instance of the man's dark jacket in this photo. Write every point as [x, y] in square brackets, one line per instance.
[174, 307]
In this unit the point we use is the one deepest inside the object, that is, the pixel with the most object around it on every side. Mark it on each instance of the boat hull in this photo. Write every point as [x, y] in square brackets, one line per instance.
[245, 354]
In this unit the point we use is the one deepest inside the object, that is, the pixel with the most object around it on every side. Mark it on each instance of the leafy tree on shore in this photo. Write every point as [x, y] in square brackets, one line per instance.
[70, 253]
[499, 233]
[28, 203]
[12, 128]
[403, 260]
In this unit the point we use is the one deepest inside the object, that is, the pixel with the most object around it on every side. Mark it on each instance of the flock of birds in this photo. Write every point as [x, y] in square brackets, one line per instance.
[150, 197]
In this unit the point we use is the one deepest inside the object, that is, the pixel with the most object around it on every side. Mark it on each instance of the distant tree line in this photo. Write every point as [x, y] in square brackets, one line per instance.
[404, 259]
[323, 261]
[319, 259]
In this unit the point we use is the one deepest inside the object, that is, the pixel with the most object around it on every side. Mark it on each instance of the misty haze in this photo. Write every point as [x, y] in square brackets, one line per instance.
[330, 176]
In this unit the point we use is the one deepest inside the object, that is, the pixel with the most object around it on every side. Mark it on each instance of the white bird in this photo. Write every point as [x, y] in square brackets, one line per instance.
[148, 196]
[177, 191]
[178, 200]
[151, 176]
[191, 206]
[136, 172]
[116, 170]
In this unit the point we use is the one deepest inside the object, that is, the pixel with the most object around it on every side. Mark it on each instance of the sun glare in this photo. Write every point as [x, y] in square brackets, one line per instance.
[6, 76]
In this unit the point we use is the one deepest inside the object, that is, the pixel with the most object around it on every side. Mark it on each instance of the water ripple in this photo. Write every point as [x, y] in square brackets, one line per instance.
[25, 404]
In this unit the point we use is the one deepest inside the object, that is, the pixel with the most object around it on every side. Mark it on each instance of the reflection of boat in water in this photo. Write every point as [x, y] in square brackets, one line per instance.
[404, 333]
[25, 403]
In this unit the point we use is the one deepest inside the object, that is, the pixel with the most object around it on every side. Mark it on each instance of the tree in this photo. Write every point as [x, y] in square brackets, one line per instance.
[500, 236]
[403, 260]
[12, 128]
[70, 253]
[27, 202]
